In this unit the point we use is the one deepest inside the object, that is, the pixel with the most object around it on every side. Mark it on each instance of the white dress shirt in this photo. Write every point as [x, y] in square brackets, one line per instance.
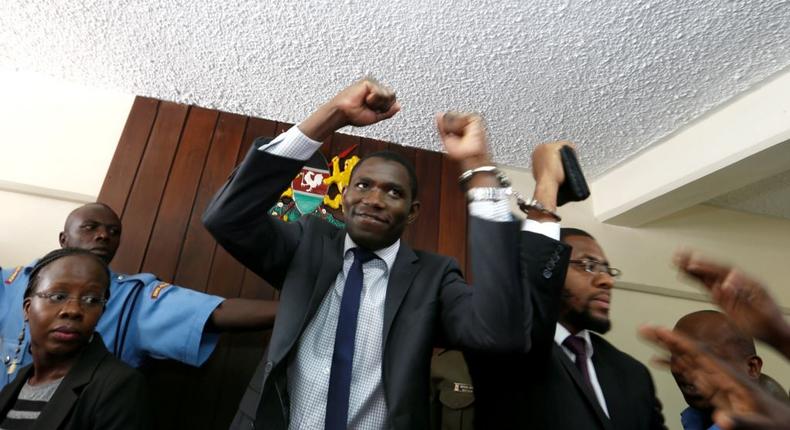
[559, 336]
[309, 369]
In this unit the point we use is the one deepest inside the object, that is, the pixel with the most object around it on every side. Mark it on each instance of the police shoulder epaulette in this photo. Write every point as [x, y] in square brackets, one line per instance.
[13, 276]
[158, 289]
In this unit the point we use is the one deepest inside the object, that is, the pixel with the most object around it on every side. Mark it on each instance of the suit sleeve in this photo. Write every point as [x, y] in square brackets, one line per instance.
[656, 413]
[238, 215]
[544, 265]
[489, 315]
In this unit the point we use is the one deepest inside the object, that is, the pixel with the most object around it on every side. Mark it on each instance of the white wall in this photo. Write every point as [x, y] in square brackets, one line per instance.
[57, 142]
[756, 243]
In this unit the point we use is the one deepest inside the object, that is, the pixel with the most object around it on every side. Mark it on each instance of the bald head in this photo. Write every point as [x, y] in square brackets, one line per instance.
[94, 227]
[717, 332]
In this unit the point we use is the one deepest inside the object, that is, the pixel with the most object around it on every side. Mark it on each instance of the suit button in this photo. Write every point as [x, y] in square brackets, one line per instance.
[559, 248]
[547, 273]
[268, 367]
[550, 265]
[555, 258]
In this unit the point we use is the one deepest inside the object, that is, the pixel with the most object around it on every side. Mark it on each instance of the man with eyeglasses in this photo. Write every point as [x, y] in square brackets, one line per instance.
[572, 378]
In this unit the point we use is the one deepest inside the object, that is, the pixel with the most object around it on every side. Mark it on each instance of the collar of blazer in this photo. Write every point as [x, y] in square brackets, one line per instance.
[587, 393]
[61, 403]
[400, 280]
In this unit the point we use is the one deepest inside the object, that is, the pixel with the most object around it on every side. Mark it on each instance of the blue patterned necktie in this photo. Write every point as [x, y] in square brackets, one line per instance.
[343, 354]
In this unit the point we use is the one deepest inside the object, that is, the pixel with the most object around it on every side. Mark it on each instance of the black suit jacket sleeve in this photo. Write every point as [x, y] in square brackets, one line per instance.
[487, 315]
[238, 215]
[543, 272]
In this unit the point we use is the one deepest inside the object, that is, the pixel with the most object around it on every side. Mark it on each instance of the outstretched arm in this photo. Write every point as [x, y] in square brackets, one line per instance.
[243, 314]
[238, 215]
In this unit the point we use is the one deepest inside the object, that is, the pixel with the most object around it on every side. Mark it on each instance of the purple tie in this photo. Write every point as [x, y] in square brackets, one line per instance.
[579, 348]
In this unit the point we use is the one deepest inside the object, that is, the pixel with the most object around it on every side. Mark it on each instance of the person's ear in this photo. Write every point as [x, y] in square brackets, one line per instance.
[755, 366]
[414, 211]
[26, 308]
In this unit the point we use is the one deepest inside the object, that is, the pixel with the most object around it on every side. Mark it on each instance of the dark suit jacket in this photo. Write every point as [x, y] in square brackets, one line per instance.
[99, 392]
[543, 389]
[427, 301]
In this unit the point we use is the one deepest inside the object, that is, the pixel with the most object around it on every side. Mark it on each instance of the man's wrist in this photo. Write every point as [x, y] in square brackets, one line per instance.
[546, 194]
[472, 163]
[322, 123]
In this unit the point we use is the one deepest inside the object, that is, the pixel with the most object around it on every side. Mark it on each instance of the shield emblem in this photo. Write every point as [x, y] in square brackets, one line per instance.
[308, 186]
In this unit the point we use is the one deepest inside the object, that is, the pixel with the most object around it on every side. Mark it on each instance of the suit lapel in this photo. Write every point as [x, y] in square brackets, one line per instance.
[70, 388]
[10, 391]
[332, 257]
[581, 385]
[400, 280]
[608, 378]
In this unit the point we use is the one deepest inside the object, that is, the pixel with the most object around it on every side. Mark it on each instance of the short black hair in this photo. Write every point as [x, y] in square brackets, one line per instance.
[397, 158]
[570, 231]
[57, 254]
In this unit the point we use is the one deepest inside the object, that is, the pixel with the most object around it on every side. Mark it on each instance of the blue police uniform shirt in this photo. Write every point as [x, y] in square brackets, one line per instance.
[144, 318]
[695, 419]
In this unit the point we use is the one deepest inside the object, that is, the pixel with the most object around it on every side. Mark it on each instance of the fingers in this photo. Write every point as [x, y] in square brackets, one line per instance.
[456, 123]
[380, 99]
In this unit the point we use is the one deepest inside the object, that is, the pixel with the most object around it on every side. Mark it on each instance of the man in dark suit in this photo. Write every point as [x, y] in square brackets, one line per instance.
[571, 378]
[360, 311]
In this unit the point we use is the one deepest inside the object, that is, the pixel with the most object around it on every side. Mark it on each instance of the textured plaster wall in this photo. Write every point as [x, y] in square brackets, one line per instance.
[614, 76]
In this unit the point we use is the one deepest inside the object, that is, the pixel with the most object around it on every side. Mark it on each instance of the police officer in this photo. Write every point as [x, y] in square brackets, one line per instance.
[452, 393]
[144, 316]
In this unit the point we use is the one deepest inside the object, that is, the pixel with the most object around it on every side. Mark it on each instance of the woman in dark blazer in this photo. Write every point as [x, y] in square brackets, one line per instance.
[74, 382]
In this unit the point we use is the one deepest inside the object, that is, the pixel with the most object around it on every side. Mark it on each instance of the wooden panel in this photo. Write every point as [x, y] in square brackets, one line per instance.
[198, 247]
[144, 198]
[342, 142]
[369, 146]
[226, 375]
[170, 161]
[425, 231]
[452, 214]
[128, 154]
[177, 201]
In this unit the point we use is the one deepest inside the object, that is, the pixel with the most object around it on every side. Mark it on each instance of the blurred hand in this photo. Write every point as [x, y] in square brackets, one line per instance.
[739, 402]
[741, 297]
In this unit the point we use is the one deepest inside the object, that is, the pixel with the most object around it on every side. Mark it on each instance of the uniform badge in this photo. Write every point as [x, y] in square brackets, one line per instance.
[158, 289]
[460, 387]
[13, 276]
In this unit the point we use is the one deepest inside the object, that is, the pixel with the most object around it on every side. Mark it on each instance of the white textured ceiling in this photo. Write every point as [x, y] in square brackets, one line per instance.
[613, 76]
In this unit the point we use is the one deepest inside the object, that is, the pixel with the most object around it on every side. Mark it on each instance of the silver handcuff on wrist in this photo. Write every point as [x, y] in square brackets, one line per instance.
[503, 193]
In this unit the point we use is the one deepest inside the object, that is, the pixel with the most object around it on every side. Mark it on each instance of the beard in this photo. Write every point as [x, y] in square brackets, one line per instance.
[585, 320]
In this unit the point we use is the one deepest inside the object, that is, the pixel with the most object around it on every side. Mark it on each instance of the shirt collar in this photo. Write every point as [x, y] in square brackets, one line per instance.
[561, 333]
[387, 254]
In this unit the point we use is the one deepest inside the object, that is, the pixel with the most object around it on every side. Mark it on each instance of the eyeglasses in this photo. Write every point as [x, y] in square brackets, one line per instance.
[595, 267]
[59, 299]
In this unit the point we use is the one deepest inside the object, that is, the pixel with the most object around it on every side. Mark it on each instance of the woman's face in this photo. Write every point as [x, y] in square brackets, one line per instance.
[63, 327]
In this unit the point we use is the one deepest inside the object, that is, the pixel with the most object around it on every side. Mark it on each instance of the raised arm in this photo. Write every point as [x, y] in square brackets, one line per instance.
[238, 215]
